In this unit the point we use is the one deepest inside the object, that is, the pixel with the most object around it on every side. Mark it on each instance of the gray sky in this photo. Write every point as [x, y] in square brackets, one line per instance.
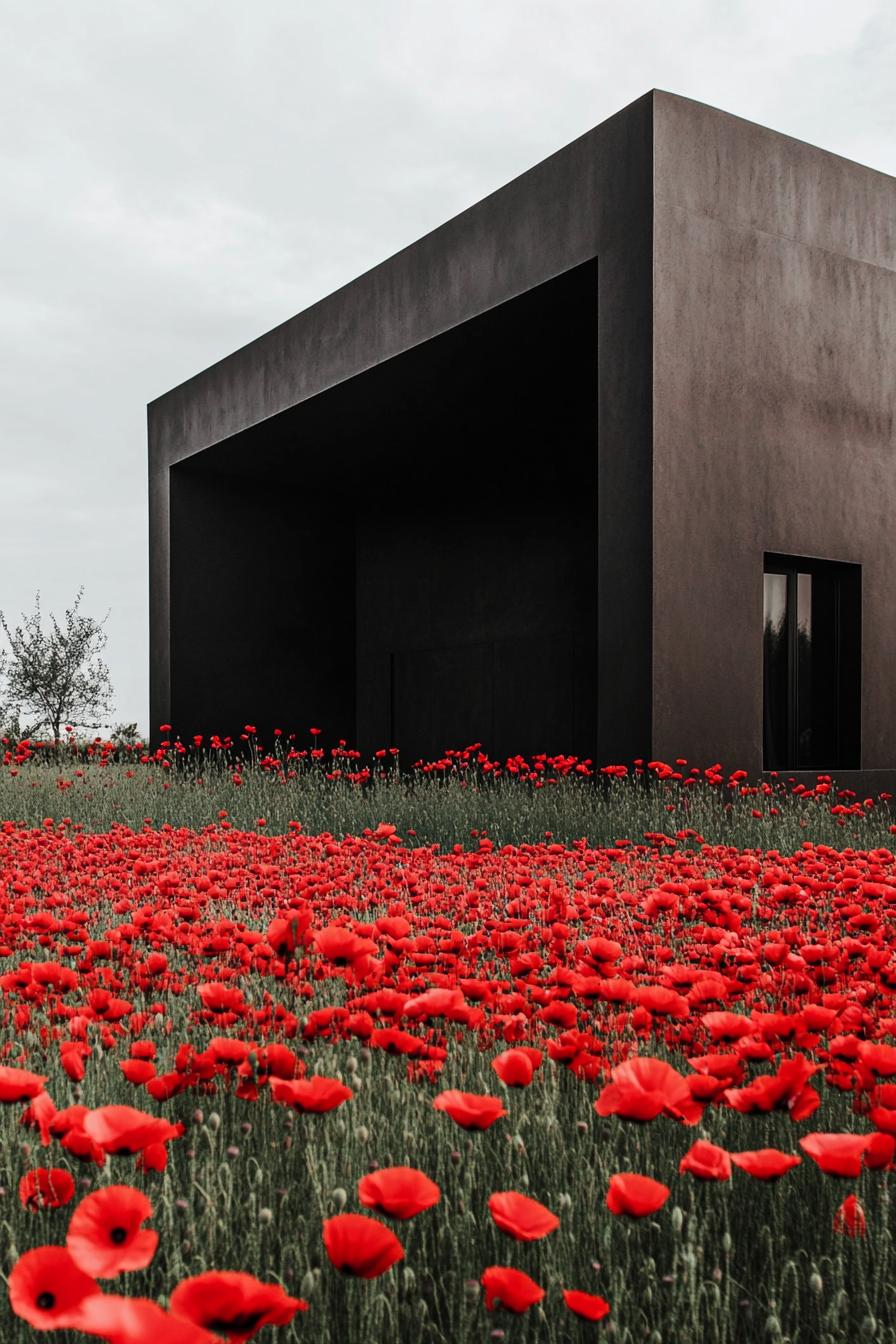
[180, 176]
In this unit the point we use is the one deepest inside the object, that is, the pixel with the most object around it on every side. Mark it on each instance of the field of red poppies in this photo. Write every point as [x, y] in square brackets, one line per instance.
[362, 1086]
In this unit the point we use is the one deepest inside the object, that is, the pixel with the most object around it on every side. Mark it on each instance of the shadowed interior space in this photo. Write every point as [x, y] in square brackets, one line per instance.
[408, 558]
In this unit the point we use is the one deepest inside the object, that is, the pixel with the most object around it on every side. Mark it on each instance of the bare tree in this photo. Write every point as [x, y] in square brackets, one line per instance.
[51, 676]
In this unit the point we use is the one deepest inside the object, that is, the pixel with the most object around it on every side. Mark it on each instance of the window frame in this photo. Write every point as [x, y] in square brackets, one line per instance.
[846, 587]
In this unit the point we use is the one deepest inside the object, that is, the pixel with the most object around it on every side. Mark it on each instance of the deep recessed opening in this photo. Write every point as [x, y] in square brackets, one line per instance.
[408, 558]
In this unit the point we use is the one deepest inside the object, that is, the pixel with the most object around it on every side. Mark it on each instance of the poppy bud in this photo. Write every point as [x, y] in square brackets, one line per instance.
[338, 1198]
[309, 1282]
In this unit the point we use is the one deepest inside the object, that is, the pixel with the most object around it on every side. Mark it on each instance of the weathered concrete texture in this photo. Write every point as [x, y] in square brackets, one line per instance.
[516, 483]
[774, 400]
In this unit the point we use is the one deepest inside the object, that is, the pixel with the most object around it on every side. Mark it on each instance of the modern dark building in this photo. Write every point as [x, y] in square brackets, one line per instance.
[604, 465]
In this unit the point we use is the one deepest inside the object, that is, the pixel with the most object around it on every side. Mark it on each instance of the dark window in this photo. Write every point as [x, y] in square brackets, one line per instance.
[811, 664]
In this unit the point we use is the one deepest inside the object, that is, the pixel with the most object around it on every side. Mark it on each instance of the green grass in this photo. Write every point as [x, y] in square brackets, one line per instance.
[249, 1184]
[443, 809]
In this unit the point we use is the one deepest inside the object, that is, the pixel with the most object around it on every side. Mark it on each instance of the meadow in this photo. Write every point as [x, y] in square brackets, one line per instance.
[296, 1046]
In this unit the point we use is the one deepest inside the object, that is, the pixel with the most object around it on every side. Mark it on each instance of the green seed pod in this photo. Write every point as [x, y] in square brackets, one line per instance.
[338, 1198]
[214, 1122]
[727, 1242]
[677, 1219]
[308, 1284]
[362, 1133]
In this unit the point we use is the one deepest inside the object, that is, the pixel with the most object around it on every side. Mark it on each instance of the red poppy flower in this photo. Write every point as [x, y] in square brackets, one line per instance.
[124, 1130]
[850, 1218]
[664, 1002]
[137, 1071]
[438, 1002]
[522, 1217]
[153, 1158]
[636, 1195]
[80, 1145]
[836, 1154]
[516, 1067]
[72, 1055]
[165, 1085]
[40, 1115]
[509, 1288]
[134, 1320]
[643, 1088]
[788, 1089]
[360, 1245]
[395, 1041]
[46, 1288]
[766, 1164]
[218, 998]
[341, 946]
[233, 1304]
[725, 1026]
[878, 1057]
[287, 932]
[707, 1161]
[879, 1151]
[105, 1236]
[19, 1084]
[311, 1094]
[587, 1305]
[400, 1192]
[470, 1110]
[46, 1188]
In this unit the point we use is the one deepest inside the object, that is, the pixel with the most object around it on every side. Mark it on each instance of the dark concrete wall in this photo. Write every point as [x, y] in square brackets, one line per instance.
[591, 199]
[774, 346]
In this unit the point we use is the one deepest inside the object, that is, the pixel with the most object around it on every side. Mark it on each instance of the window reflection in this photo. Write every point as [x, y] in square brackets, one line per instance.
[811, 664]
[775, 659]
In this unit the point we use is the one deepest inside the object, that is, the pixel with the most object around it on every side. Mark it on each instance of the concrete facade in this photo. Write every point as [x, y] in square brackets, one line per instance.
[516, 484]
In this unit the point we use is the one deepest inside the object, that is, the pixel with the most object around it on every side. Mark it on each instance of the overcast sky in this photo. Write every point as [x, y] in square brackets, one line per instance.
[180, 176]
